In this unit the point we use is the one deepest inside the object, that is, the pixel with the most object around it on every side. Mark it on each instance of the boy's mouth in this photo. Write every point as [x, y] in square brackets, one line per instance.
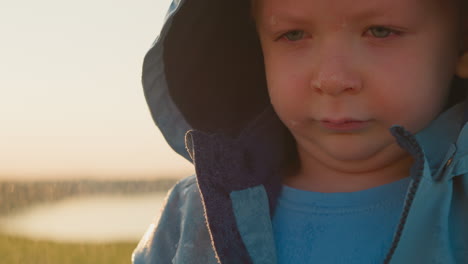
[344, 124]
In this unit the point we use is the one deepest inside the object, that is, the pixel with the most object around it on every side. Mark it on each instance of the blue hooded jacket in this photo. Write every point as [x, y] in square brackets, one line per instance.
[204, 82]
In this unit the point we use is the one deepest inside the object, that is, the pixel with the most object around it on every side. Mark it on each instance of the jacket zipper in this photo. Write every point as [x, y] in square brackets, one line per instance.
[410, 197]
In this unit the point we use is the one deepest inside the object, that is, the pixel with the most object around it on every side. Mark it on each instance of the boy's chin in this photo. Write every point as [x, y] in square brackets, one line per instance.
[350, 153]
[357, 153]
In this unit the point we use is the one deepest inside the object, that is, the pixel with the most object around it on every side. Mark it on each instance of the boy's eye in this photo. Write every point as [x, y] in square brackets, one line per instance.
[380, 32]
[294, 35]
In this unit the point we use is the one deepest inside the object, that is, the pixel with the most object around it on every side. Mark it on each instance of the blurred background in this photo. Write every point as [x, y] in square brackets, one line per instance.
[83, 168]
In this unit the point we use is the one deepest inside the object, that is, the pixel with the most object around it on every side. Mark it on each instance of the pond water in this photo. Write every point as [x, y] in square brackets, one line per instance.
[87, 219]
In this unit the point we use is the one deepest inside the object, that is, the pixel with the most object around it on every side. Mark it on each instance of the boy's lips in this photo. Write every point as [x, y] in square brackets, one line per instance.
[344, 124]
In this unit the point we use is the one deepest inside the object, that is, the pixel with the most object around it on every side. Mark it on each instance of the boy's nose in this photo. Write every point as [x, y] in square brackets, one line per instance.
[335, 75]
[335, 83]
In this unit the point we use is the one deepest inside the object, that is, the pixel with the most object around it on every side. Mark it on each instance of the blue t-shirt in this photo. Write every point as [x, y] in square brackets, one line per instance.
[347, 228]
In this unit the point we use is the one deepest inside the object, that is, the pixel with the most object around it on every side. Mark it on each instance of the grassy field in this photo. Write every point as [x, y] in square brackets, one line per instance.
[15, 250]
[19, 195]
[16, 196]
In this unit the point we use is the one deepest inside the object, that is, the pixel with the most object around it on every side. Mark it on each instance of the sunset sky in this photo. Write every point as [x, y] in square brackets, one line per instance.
[71, 101]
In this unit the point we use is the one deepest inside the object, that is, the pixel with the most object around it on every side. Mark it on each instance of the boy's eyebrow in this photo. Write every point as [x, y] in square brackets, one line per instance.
[372, 13]
[286, 17]
[280, 19]
[299, 17]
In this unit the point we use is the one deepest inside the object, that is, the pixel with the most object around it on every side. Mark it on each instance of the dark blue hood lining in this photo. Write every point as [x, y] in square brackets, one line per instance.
[224, 164]
[214, 65]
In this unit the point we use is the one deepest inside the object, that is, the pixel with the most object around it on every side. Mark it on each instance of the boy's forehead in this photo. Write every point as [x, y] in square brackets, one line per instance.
[355, 9]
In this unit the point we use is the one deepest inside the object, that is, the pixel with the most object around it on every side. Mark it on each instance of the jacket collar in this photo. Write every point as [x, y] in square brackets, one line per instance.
[444, 143]
[232, 175]
[229, 168]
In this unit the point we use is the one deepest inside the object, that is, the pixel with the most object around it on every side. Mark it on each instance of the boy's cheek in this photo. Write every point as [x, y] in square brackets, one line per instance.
[286, 86]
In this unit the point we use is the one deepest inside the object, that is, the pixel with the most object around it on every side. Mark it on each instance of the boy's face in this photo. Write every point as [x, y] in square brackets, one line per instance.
[340, 73]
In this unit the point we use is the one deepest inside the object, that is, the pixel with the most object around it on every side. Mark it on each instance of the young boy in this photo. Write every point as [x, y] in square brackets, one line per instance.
[322, 131]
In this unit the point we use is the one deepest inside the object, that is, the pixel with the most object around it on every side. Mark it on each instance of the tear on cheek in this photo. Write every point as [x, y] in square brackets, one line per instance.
[317, 84]
[344, 23]
[293, 123]
[273, 21]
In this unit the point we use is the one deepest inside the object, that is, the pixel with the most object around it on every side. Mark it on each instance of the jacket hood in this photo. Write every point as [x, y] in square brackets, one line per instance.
[205, 71]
